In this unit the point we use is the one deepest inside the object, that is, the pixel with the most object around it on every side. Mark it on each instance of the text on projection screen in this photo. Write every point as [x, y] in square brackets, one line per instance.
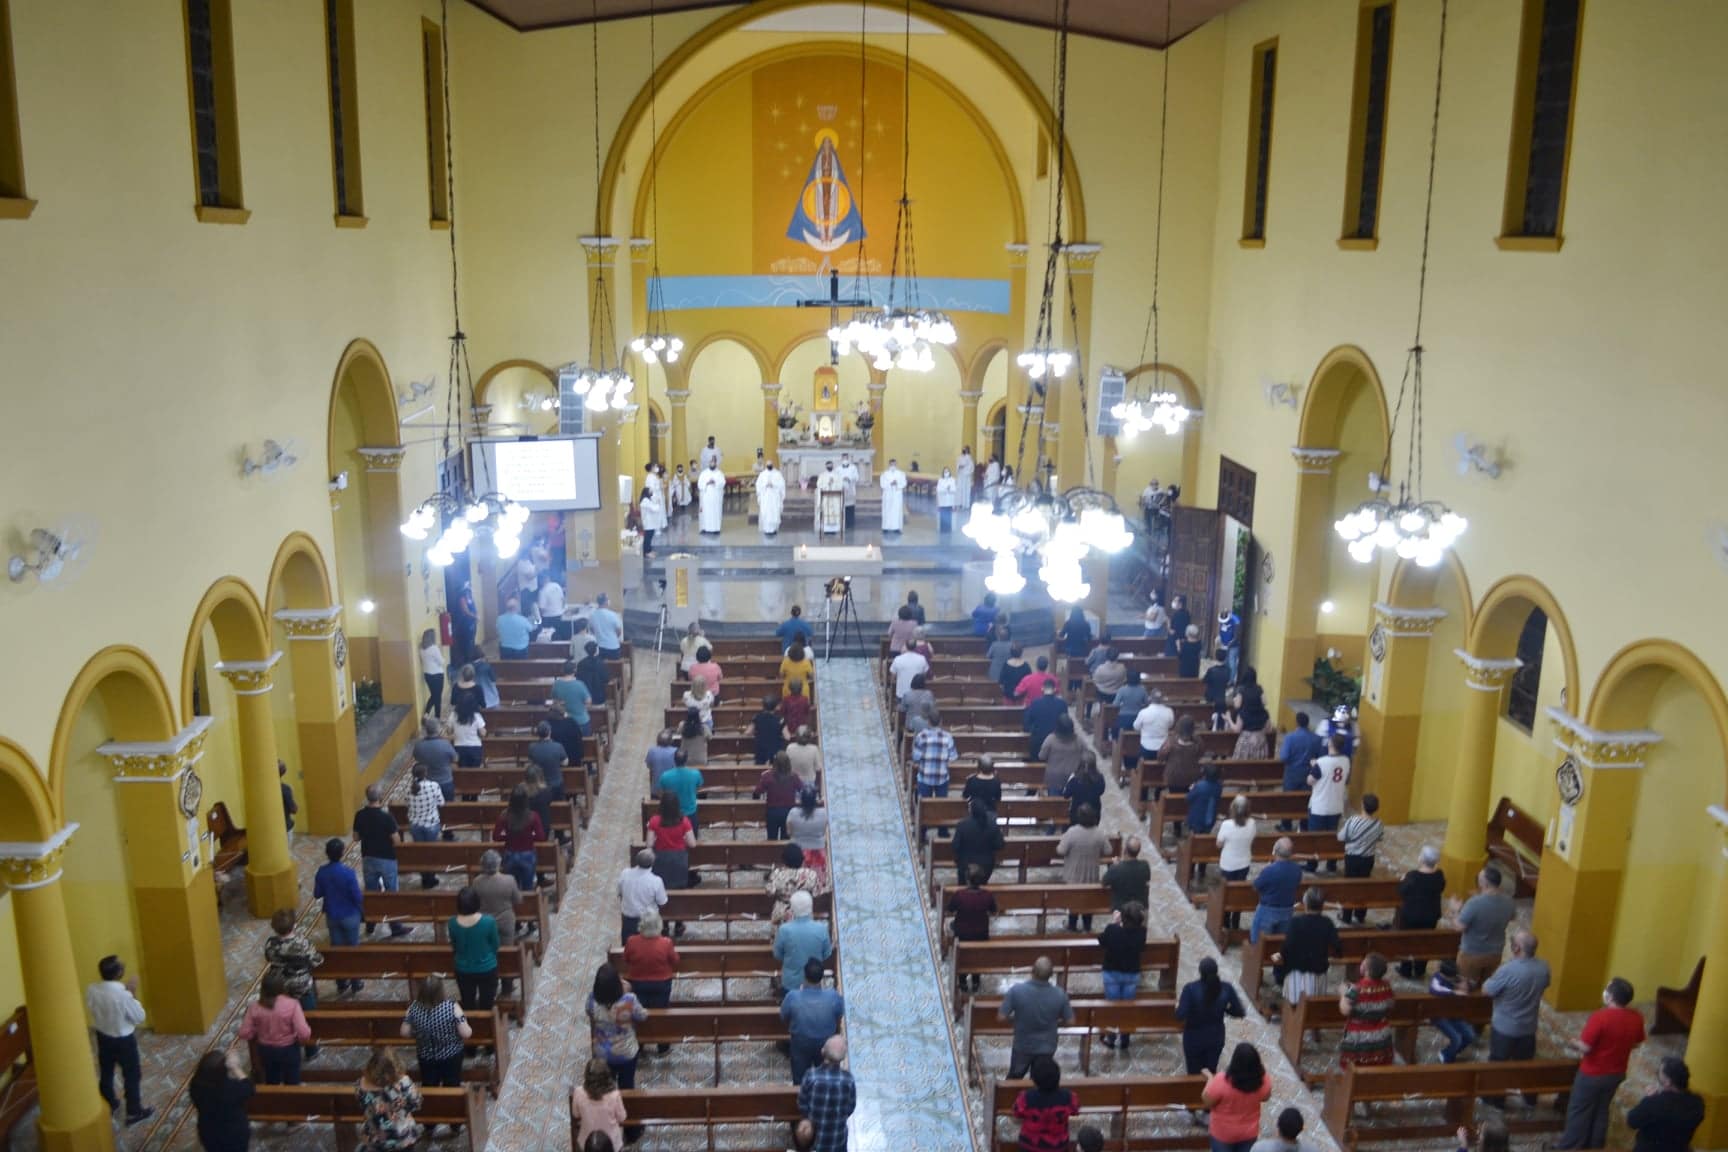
[537, 471]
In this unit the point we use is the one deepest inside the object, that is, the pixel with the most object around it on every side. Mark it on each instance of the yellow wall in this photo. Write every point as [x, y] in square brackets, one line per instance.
[1443, 695]
[95, 882]
[726, 403]
[1524, 762]
[11, 976]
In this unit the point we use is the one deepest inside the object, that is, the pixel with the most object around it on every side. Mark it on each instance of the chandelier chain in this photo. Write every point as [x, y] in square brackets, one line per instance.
[861, 270]
[1044, 335]
[1152, 315]
[654, 170]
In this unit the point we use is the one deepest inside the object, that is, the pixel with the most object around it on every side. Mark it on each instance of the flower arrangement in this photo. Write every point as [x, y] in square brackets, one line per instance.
[789, 414]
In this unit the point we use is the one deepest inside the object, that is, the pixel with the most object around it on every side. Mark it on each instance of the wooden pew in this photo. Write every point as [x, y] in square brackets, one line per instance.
[523, 715]
[1069, 954]
[435, 906]
[513, 747]
[1039, 900]
[729, 905]
[482, 815]
[938, 812]
[354, 1026]
[411, 963]
[737, 960]
[728, 855]
[1195, 850]
[737, 780]
[494, 783]
[1676, 1006]
[669, 1112]
[1213, 745]
[750, 688]
[1457, 1085]
[18, 1088]
[981, 1018]
[1515, 843]
[1019, 855]
[1234, 775]
[337, 1106]
[463, 856]
[1171, 807]
[1004, 745]
[1398, 944]
[716, 1025]
[1409, 1012]
[1113, 1103]
[1342, 891]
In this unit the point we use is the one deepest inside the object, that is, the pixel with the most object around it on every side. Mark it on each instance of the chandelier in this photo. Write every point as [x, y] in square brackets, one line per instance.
[604, 383]
[655, 345]
[900, 335]
[1045, 360]
[473, 508]
[1155, 410]
[1410, 526]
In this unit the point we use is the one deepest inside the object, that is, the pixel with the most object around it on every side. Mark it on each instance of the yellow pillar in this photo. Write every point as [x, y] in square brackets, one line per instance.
[969, 428]
[271, 879]
[1585, 858]
[73, 1117]
[1071, 458]
[1019, 387]
[1314, 524]
[607, 575]
[387, 581]
[878, 390]
[1466, 847]
[180, 964]
[1706, 1054]
[677, 398]
[330, 757]
[1391, 712]
[771, 422]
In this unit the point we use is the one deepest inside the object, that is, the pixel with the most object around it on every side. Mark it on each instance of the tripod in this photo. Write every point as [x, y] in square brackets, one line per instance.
[836, 621]
[660, 635]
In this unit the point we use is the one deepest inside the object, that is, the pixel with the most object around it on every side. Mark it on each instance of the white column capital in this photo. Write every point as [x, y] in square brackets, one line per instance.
[157, 760]
[383, 459]
[1484, 675]
[311, 623]
[677, 396]
[34, 865]
[250, 677]
[1595, 748]
[1400, 621]
[1314, 461]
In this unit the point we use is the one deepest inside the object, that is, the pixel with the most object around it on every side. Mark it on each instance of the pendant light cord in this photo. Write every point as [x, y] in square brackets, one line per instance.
[600, 308]
[1152, 317]
[861, 269]
[655, 295]
[459, 368]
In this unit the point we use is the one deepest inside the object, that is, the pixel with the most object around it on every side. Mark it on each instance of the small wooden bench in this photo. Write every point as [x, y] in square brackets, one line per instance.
[1041, 901]
[1343, 892]
[1398, 944]
[368, 1027]
[1113, 1103]
[982, 1019]
[738, 960]
[18, 1088]
[1675, 1006]
[340, 1108]
[463, 857]
[669, 1112]
[1069, 954]
[1457, 1086]
[1515, 842]
[412, 963]
[1305, 846]
[1409, 1012]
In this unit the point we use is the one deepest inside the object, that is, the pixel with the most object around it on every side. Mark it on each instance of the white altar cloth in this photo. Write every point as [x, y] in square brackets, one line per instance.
[801, 464]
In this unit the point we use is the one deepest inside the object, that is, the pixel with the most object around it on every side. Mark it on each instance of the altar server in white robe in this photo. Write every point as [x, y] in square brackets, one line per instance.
[710, 456]
[830, 501]
[770, 498]
[711, 491]
[893, 498]
[849, 477]
[992, 477]
[680, 491]
[653, 482]
[963, 473]
[653, 516]
[946, 491]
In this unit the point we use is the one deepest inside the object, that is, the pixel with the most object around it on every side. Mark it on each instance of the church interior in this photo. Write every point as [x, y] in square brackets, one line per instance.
[466, 298]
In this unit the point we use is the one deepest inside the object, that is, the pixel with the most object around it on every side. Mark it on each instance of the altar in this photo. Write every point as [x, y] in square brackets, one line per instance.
[801, 464]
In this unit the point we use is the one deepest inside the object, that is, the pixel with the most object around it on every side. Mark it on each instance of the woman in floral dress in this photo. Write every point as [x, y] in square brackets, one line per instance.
[388, 1101]
[1366, 1005]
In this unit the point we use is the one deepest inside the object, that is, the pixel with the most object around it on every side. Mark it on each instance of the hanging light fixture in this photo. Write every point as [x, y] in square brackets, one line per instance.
[473, 508]
[656, 344]
[1154, 409]
[603, 382]
[1412, 527]
[1057, 529]
[901, 335]
[860, 328]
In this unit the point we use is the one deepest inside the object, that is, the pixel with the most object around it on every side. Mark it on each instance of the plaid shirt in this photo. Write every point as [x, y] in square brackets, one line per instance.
[932, 751]
[827, 1097]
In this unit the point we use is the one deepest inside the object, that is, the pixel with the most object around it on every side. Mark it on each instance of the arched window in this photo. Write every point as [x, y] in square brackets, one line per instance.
[1527, 681]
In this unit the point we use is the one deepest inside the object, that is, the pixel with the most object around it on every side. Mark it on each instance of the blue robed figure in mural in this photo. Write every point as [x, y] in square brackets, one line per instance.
[827, 216]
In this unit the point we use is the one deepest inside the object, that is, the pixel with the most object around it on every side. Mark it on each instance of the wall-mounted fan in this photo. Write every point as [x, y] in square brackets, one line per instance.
[1476, 456]
[47, 554]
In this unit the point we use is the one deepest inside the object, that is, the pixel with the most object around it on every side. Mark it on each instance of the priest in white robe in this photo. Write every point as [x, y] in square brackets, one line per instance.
[992, 477]
[770, 498]
[893, 483]
[963, 472]
[653, 516]
[830, 501]
[849, 478]
[680, 491]
[946, 493]
[711, 492]
[710, 456]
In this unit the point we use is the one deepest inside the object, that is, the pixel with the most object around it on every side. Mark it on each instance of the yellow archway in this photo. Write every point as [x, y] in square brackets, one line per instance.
[1190, 396]
[1329, 391]
[232, 607]
[362, 368]
[299, 578]
[1413, 586]
[1497, 621]
[483, 386]
[1612, 709]
[764, 362]
[138, 707]
[26, 808]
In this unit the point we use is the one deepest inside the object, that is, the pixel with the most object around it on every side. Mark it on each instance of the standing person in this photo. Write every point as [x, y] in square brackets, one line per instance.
[1252, 724]
[1156, 624]
[1298, 750]
[992, 477]
[1042, 719]
[377, 832]
[670, 838]
[932, 751]
[514, 631]
[591, 671]
[999, 649]
[1108, 678]
[608, 628]
[220, 1089]
[550, 757]
[788, 878]
[276, 1021]
[336, 885]
[693, 639]
[1516, 988]
[499, 894]
[1605, 1045]
[1460, 1034]
[983, 785]
[807, 825]
[768, 735]
[1366, 1006]
[828, 1096]
[570, 690]
[1187, 652]
[1277, 884]
[1329, 779]
[640, 892]
[474, 944]
[770, 499]
[1130, 699]
[915, 608]
[289, 808]
[1122, 942]
[977, 839]
[466, 692]
[115, 1013]
[1361, 836]
[653, 518]
[1202, 1007]
[919, 704]
[1203, 800]
[794, 627]
[800, 940]
[1483, 920]
[850, 478]
[651, 964]
[709, 456]
[291, 956]
[425, 800]
[1289, 1132]
[964, 470]
[707, 670]
[1235, 1096]
[1130, 878]
[466, 734]
[658, 759]
[1420, 895]
[1081, 848]
[613, 1015]
[907, 665]
[519, 828]
[1154, 722]
[1180, 621]
[971, 908]
[683, 780]
[597, 1106]
[1235, 838]
[711, 497]
[777, 787]
[984, 618]
[812, 1014]
[1014, 670]
[900, 629]
[388, 1101]
[438, 1027]
[796, 666]
[1085, 788]
[438, 755]
[947, 496]
[1045, 1109]
[568, 734]
[1230, 638]
[432, 666]
[550, 605]
[1670, 1112]
[1038, 1009]
[795, 709]
[893, 485]
[464, 625]
[806, 757]
[1311, 942]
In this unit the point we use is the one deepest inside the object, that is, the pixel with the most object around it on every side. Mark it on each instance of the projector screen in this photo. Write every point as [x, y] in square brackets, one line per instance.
[545, 473]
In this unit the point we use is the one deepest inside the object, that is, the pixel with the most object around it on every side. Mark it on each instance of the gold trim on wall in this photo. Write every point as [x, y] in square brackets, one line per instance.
[351, 221]
[12, 208]
[12, 188]
[211, 214]
[348, 77]
[230, 188]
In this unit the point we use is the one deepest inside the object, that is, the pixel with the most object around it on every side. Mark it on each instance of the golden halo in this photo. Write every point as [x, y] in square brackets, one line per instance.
[827, 134]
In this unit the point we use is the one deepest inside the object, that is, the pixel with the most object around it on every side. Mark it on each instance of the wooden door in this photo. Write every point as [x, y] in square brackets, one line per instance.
[1194, 534]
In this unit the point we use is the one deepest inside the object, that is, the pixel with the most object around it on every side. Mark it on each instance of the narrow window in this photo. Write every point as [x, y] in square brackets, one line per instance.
[1521, 696]
[215, 121]
[432, 68]
[344, 112]
[1368, 125]
[1542, 123]
[1260, 92]
[14, 204]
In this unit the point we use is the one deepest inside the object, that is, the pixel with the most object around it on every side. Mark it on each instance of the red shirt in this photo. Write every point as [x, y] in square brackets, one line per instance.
[1031, 686]
[650, 958]
[796, 711]
[669, 839]
[1612, 1033]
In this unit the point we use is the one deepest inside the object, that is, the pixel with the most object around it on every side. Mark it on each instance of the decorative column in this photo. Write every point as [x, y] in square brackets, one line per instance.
[1071, 464]
[677, 398]
[74, 1117]
[878, 389]
[969, 423]
[330, 758]
[1708, 1056]
[1391, 710]
[271, 879]
[1313, 524]
[1584, 858]
[771, 423]
[162, 831]
[1014, 413]
[606, 574]
[1466, 847]
[387, 582]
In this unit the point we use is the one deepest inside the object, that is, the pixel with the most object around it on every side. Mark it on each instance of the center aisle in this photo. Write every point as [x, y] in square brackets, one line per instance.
[909, 1094]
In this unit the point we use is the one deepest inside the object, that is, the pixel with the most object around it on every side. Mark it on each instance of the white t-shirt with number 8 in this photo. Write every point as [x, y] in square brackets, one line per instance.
[1332, 787]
